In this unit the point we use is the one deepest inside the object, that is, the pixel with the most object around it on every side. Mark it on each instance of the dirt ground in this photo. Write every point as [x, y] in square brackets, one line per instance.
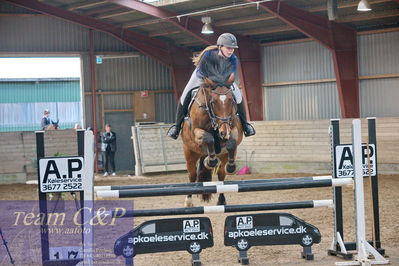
[219, 255]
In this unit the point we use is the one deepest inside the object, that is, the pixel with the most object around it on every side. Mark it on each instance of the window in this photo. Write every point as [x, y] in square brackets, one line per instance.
[148, 229]
[286, 221]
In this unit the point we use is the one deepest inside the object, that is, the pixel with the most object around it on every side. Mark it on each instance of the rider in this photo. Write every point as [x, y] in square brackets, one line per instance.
[45, 119]
[226, 43]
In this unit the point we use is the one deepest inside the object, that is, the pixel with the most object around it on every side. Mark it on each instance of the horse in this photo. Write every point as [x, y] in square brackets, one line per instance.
[212, 131]
[52, 126]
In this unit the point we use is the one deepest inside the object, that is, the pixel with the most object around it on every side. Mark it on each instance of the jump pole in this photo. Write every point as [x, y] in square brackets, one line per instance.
[224, 188]
[363, 248]
[222, 209]
[211, 183]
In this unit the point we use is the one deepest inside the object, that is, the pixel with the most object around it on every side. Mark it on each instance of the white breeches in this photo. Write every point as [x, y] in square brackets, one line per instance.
[195, 82]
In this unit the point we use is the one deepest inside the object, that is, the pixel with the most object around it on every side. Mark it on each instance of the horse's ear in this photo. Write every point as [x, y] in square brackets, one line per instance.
[209, 82]
[231, 79]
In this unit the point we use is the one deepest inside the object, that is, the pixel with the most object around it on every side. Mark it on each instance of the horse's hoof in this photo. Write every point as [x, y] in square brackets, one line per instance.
[210, 164]
[188, 203]
[221, 202]
[231, 168]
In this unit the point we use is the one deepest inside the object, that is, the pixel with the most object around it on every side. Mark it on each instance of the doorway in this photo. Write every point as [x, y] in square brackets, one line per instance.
[122, 123]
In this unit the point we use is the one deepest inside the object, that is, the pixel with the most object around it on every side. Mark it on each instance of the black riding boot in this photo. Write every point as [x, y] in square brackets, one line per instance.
[248, 128]
[174, 130]
[181, 112]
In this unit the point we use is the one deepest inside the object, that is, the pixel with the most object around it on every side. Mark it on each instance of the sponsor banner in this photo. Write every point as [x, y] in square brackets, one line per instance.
[61, 174]
[191, 226]
[344, 160]
[167, 238]
[267, 232]
[244, 222]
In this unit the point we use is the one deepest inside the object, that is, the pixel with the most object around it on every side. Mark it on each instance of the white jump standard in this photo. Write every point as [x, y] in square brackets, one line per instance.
[363, 248]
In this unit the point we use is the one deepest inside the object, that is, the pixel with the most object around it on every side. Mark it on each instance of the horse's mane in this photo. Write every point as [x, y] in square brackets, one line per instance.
[216, 68]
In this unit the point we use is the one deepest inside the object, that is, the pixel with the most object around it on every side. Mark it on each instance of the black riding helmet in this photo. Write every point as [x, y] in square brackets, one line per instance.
[227, 40]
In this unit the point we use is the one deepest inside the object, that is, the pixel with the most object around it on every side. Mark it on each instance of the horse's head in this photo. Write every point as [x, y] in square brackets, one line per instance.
[221, 105]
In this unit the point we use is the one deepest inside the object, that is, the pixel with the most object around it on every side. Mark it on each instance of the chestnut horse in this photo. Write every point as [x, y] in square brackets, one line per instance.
[213, 131]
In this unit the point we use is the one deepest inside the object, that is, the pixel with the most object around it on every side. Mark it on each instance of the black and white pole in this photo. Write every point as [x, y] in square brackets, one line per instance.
[123, 213]
[211, 183]
[363, 248]
[224, 188]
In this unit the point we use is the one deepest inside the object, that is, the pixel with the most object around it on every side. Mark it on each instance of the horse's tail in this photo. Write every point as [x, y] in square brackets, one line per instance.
[204, 175]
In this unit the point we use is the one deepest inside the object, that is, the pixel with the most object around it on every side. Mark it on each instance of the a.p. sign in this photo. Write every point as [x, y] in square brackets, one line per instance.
[59, 174]
[344, 160]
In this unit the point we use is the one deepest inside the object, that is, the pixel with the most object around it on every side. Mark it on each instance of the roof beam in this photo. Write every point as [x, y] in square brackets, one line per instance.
[102, 10]
[178, 58]
[85, 4]
[339, 39]
[245, 19]
[116, 14]
[191, 26]
[369, 16]
[302, 40]
[136, 40]
[263, 17]
[249, 57]
[345, 19]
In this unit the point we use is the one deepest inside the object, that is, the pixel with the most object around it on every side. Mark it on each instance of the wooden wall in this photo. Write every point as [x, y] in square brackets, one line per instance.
[18, 152]
[304, 146]
[278, 147]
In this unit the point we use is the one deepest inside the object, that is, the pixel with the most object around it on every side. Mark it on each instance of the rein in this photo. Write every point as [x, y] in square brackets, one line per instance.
[208, 107]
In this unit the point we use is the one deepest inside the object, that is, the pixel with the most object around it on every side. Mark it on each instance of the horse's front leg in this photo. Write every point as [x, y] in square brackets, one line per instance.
[231, 146]
[203, 138]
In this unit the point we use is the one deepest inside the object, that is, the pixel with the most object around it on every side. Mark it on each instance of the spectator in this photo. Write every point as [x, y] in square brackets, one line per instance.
[77, 126]
[46, 119]
[108, 147]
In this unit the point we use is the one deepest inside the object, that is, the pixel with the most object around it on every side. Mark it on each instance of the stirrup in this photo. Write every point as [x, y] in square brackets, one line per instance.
[248, 129]
[173, 132]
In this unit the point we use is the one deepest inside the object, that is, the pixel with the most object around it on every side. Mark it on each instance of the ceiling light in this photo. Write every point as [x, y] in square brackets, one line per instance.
[363, 5]
[207, 28]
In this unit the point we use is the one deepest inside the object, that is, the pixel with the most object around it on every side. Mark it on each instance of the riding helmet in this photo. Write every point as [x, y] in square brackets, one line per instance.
[228, 40]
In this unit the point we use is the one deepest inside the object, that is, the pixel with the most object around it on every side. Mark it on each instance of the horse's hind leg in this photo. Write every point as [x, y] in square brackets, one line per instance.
[204, 175]
[191, 161]
[221, 177]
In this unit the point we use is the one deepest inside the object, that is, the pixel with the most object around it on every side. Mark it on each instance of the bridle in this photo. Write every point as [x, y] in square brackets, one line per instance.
[208, 107]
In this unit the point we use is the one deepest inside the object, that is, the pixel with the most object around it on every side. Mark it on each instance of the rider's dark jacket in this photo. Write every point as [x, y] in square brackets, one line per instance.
[233, 60]
[45, 122]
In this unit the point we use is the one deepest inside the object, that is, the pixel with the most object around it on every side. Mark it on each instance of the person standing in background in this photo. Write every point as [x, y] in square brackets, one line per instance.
[108, 148]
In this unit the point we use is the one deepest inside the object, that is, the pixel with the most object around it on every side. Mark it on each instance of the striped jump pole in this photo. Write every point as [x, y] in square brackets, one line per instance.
[224, 188]
[214, 183]
[222, 209]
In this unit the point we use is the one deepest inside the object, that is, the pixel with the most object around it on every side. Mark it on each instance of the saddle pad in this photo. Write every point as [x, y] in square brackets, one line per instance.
[193, 95]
